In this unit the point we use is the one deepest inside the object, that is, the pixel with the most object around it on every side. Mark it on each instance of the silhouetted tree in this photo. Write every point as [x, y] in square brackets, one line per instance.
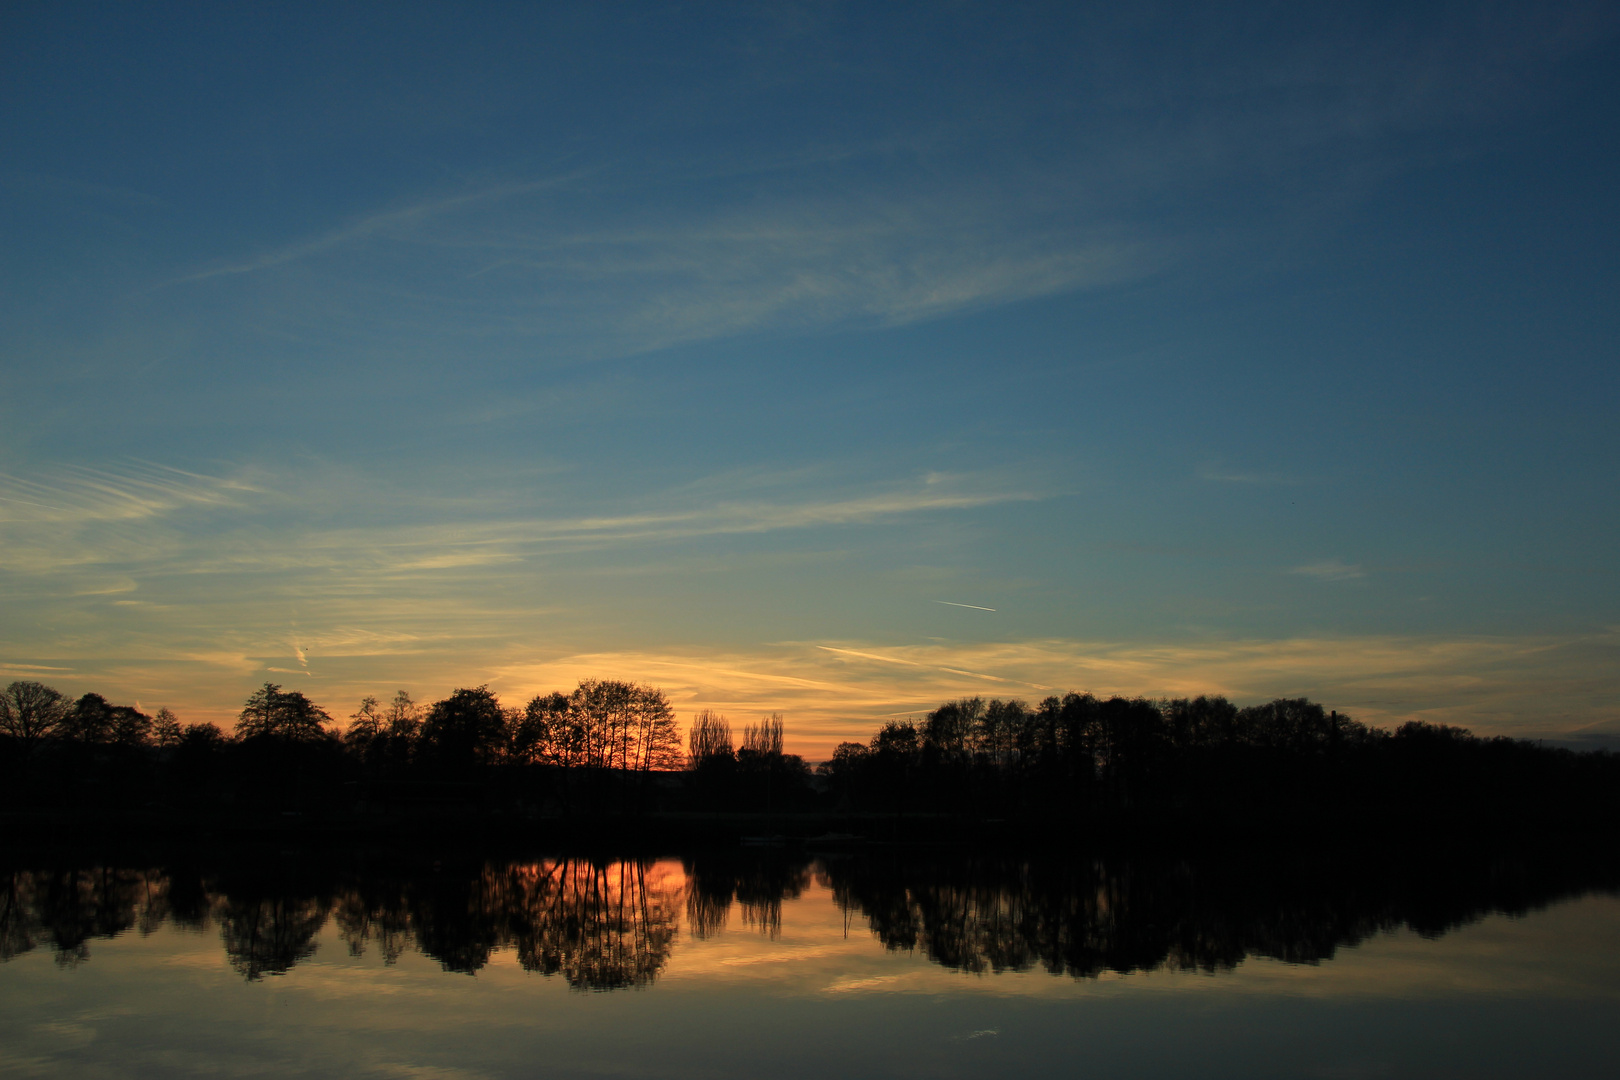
[282, 714]
[465, 731]
[202, 736]
[712, 761]
[130, 727]
[655, 741]
[404, 717]
[950, 728]
[764, 738]
[708, 738]
[893, 760]
[546, 733]
[88, 722]
[846, 774]
[766, 778]
[166, 732]
[366, 723]
[30, 712]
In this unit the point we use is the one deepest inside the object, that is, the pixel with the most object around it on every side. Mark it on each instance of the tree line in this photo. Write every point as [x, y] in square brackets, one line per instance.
[1188, 758]
[286, 749]
[614, 746]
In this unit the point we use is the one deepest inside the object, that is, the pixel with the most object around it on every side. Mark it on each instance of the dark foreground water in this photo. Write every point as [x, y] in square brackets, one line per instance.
[741, 964]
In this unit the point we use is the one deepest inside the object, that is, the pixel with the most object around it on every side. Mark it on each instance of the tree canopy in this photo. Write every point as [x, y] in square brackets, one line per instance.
[288, 715]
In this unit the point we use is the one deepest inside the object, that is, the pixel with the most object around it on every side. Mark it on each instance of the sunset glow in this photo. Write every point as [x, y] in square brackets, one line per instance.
[738, 353]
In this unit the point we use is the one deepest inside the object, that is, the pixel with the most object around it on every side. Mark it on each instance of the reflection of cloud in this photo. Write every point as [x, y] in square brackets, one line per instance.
[872, 982]
[792, 956]
[1330, 570]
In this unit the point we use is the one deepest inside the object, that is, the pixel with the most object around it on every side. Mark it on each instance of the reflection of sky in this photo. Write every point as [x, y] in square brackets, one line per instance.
[1256, 353]
[1488, 999]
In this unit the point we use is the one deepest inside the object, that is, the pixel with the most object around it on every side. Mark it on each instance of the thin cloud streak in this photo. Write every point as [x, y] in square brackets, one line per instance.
[868, 655]
[127, 492]
[43, 544]
[1219, 475]
[397, 222]
[496, 261]
[1330, 570]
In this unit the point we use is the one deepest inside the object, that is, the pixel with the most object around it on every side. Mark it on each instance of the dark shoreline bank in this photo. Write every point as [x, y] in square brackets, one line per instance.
[810, 831]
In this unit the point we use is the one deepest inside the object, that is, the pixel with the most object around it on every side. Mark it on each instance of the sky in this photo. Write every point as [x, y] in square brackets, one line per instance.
[829, 359]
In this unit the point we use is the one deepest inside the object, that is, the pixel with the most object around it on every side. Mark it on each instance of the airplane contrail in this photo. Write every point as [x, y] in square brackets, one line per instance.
[975, 607]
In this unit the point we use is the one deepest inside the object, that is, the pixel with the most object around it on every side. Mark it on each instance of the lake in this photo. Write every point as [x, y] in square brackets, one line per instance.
[735, 962]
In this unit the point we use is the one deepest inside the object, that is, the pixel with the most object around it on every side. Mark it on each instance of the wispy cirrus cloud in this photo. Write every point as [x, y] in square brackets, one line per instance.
[71, 532]
[400, 224]
[1222, 474]
[515, 259]
[1330, 570]
[130, 491]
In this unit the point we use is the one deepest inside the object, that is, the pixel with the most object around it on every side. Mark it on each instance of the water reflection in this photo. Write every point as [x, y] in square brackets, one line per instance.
[614, 924]
[756, 884]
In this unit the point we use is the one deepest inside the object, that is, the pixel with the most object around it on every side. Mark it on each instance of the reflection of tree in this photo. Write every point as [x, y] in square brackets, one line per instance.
[375, 911]
[268, 935]
[708, 902]
[1084, 917]
[600, 926]
[74, 906]
[758, 884]
[70, 907]
[458, 919]
[606, 925]
[17, 923]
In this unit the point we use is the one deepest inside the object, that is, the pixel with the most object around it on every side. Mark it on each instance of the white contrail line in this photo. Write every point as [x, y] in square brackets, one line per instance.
[872, 656]
[25, 502]
[975, 607]
[979, 675]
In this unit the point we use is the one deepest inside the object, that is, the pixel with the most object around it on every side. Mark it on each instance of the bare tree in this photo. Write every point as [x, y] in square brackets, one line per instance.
[658, 741]
[365, 724]
[31, 711]
[708, 738]
[404, 716]
[764, 738]
[166, 728]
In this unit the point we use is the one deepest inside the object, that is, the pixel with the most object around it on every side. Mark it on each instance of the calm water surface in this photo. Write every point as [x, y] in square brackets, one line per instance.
[731, 964]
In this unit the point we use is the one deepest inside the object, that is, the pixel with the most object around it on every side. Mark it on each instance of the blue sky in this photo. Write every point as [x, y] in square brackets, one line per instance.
[1254, 350]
